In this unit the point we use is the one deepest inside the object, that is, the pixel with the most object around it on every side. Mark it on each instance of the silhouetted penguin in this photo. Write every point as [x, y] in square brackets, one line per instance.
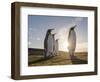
[48, 43]
[72, 40]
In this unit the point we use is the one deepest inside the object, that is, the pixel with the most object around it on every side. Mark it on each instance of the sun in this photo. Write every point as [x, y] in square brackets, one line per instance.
[65, 46]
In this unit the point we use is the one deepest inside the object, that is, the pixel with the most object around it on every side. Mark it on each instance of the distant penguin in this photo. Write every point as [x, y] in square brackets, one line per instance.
[57, 47]
[72, 40]
[48, 46]
[54, 43]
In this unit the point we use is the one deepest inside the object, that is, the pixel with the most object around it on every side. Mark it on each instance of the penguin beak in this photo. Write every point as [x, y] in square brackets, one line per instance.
[74, 26]
[51, 29]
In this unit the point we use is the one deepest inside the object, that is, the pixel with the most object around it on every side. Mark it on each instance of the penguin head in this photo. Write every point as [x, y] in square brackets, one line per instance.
[50, 30]
[54, 34]
[57, 39]
[73, 27]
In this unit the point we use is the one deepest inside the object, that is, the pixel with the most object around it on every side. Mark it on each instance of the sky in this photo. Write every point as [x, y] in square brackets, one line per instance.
[39, 24]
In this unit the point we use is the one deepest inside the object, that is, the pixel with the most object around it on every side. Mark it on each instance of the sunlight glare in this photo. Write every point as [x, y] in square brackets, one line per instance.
[65, 46]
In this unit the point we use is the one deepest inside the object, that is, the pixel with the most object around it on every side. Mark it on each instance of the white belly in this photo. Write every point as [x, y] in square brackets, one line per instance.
[72, 41]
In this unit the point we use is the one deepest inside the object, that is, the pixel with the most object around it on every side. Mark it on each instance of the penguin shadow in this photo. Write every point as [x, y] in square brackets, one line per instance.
[40, 60]
[76, 60]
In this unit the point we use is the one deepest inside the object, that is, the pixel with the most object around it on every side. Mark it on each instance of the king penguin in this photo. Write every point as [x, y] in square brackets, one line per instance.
[72, 41]
[48, 43]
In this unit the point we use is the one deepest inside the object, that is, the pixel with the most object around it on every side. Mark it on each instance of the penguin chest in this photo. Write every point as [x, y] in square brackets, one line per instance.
[72, 40]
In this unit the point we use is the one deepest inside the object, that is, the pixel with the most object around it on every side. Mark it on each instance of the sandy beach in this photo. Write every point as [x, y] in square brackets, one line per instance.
[37, 59]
